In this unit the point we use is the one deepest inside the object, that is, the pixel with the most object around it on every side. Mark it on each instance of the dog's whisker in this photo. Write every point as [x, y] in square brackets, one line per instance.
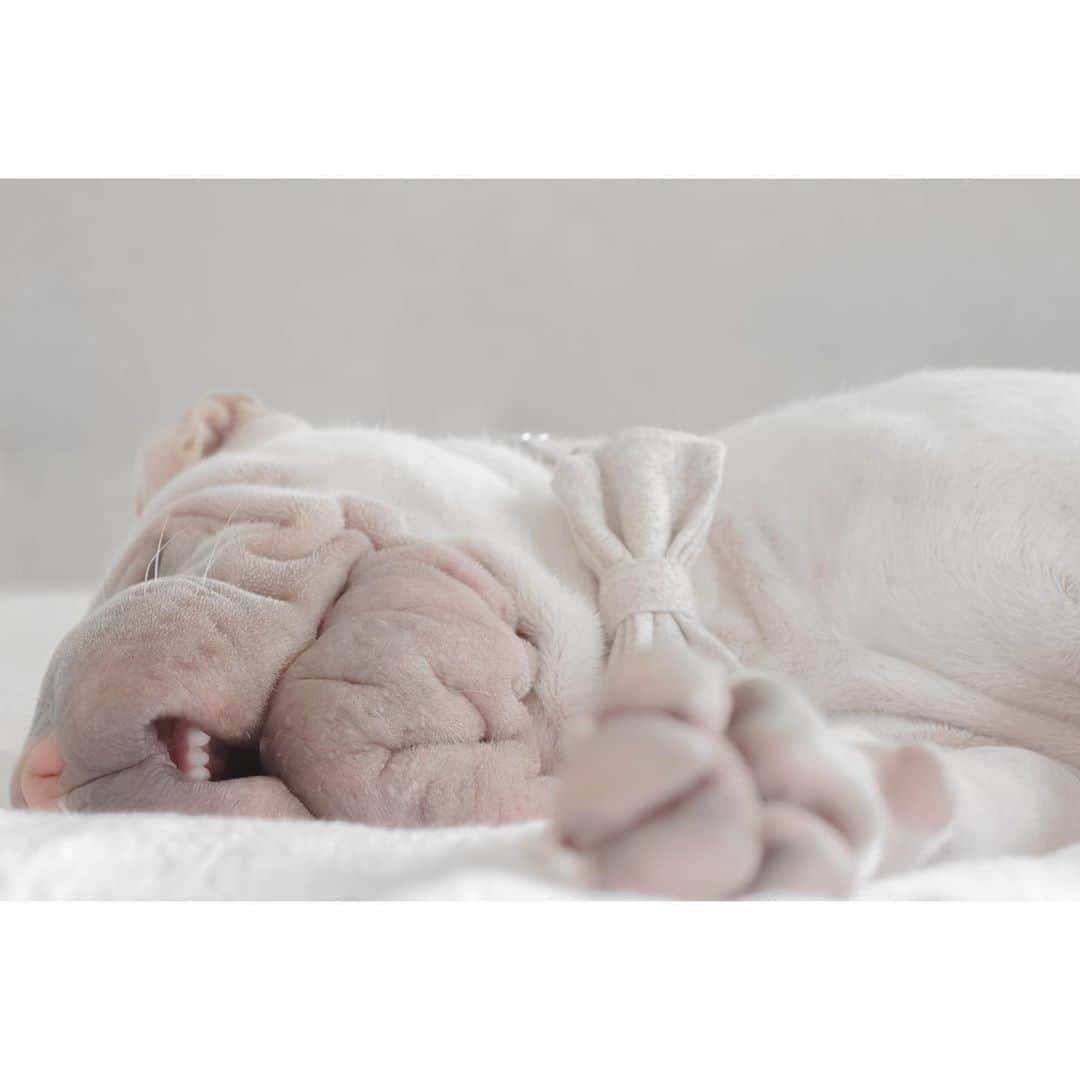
[161, 551]
[157, 554]
[217, 543]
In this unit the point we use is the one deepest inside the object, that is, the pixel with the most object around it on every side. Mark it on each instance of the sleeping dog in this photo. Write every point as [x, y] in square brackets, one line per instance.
[836, 640]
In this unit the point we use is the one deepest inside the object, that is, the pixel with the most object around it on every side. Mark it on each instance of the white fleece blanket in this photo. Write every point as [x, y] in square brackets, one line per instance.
[150, 856]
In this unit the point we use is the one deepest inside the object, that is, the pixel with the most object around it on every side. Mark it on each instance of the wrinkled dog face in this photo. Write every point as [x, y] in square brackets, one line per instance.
[266, 650]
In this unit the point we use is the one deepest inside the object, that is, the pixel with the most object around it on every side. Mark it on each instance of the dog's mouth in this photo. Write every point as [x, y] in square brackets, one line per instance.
[197, 755]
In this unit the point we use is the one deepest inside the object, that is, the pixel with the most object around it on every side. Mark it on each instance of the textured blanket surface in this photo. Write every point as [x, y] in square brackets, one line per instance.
[156, 856]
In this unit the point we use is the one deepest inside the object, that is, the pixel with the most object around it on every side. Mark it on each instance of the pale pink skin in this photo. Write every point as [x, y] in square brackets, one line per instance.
[361, 673]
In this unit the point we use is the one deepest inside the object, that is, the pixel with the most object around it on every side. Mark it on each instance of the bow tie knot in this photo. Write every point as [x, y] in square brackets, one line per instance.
[644, 586]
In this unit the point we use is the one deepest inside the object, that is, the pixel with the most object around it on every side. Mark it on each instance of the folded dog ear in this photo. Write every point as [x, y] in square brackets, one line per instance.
[203, 431]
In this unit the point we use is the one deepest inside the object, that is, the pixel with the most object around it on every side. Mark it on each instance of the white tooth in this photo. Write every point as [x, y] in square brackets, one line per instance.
[197, 757]
[199, 772]
[197, 737]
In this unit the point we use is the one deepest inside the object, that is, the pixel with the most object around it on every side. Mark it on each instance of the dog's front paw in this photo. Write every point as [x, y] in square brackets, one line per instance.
[657, 801]
[823, 819]
[695, 789]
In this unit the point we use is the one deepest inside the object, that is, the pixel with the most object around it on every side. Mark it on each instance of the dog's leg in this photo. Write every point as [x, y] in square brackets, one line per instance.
[696, 788]
[1008, 801]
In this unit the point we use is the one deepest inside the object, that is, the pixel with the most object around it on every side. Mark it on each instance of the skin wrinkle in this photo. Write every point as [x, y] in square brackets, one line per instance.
[134, 557]
[485, 726]
[106, 776]
[420, 613]
[256, 730]
[377, 686]
[724, 539]
[486, 738]
[801, 790]
[393, 752]
[217, 543]
[222, 521]
[160, 755]
[978, 695]
[656, 808]
[333, 604]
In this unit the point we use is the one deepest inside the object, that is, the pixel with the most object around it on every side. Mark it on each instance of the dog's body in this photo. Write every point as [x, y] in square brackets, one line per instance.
[905, 555]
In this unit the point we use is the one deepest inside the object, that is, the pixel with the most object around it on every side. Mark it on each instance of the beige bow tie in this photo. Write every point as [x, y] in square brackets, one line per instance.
[640, 507]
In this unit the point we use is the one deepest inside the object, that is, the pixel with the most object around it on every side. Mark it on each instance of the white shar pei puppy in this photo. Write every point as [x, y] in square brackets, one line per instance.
[833, 641]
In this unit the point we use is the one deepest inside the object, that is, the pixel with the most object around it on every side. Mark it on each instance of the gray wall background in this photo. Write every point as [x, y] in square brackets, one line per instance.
[493, 306]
